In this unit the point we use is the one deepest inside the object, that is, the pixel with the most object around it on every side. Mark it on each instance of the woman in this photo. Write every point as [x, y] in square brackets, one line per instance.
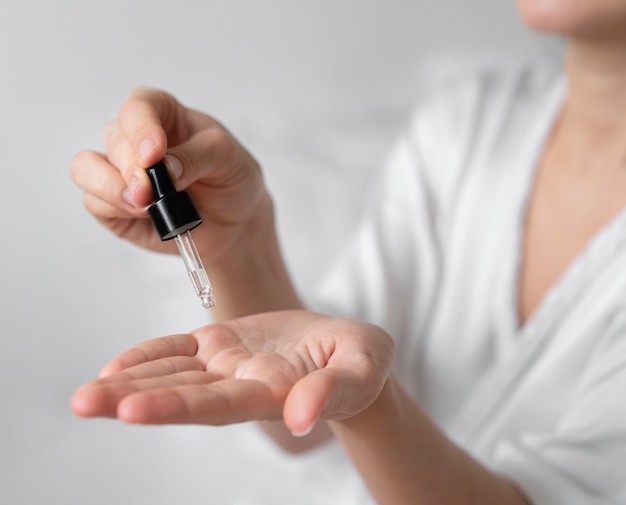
[491, 259]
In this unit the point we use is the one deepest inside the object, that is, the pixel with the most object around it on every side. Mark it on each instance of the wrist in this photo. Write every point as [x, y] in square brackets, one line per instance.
[250, 275]
[405, 458]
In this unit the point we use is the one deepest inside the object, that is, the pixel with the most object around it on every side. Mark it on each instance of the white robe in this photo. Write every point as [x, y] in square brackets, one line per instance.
[435, 262]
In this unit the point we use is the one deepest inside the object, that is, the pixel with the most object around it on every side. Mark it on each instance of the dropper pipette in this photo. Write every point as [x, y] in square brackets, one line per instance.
[174, 216]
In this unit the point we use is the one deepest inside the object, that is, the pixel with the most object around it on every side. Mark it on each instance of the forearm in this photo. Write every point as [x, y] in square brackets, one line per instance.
[253, 277]
[404, 458]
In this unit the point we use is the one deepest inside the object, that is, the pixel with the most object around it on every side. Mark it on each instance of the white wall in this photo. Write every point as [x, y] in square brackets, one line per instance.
[315, 88]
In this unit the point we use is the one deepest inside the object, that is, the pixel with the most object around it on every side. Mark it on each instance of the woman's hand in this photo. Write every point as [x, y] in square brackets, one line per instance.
[297, 365]
[223, 179]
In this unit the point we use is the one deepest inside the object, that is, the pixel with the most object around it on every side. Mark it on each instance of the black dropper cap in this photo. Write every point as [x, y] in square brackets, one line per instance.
[172, 212]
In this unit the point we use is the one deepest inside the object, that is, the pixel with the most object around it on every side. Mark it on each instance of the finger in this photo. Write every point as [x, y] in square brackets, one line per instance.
[306, 400]
[97, 177]
[218, 338]
[332, 393]
[151, 350]
[94, 400]
[154, 369]
[101, 398]
[197, 121]
[143, 118]
[223, 402]
[120, 154]
[142, 121]
[208, 154]
[118, 149]
[217, 161]
[103, 210]
[112, 136]
[188, 156]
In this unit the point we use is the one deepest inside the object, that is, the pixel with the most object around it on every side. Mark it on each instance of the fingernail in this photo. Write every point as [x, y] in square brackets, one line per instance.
[145, 148]
[129, 192]
[304, 432]
[174, 165]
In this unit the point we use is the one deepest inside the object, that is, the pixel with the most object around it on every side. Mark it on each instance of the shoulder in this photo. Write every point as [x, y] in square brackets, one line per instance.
[467, 118]
[460, 100]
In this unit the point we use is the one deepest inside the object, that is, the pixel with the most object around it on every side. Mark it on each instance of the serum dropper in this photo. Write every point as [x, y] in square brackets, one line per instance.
[174, 216]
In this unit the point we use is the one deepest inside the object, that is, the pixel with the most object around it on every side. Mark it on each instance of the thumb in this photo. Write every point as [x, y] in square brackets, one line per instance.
[207, 154]
[332, 393]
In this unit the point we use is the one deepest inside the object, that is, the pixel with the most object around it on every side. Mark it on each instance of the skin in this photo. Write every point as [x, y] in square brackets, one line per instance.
[295, 365]
[268, 358]
[581, 179]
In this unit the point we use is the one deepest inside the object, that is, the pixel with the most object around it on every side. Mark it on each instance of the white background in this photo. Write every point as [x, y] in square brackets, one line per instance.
[316, 89]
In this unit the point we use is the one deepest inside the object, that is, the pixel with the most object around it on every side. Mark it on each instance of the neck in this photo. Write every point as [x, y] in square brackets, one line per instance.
[596, 103]
[596, 73]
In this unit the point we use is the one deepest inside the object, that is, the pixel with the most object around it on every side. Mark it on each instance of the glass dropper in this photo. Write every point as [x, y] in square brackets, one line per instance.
[174, 216]
[195, 269]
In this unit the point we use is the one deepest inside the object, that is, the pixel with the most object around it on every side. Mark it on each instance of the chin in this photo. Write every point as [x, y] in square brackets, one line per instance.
[574, 18]
[540, 15]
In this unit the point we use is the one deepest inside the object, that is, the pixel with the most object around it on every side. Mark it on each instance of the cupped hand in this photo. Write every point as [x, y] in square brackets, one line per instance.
[202, 157]
[297, 365]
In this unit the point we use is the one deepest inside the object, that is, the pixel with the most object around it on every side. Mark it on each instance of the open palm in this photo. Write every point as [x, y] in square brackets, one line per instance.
[293, 364]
